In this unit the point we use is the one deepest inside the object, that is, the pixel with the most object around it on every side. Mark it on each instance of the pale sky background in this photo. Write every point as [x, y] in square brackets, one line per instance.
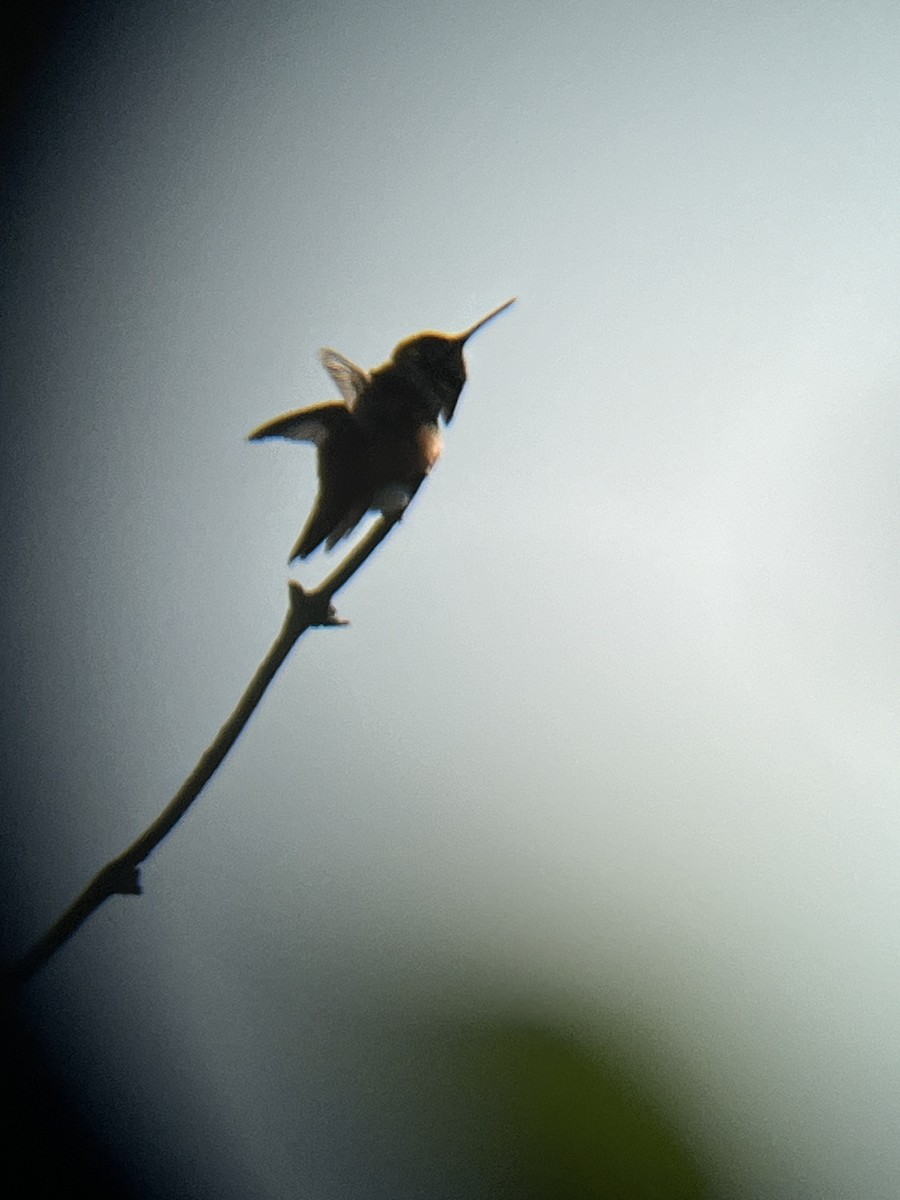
[614, 730]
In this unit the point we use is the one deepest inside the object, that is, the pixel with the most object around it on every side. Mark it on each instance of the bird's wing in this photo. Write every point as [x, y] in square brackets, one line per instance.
[317, 425]
[351, 380]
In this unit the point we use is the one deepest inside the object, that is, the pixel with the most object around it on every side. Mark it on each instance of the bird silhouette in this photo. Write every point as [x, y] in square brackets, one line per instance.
[377, 444]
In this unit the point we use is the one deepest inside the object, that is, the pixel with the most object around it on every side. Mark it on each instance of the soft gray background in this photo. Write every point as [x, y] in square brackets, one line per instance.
[615, 724]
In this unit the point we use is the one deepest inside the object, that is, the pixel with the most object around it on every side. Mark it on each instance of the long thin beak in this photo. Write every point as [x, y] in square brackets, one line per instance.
[464, 337]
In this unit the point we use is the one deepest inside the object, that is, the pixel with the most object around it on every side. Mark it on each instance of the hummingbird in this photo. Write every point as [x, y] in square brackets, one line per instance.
[377, 444]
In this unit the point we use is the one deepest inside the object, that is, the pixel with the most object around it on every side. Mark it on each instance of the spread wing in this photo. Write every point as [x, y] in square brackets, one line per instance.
[317, 425]
[351, 380]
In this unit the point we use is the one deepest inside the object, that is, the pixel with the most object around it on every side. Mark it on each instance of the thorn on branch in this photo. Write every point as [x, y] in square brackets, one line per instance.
[125, 879]
[121, 877]
[312, 608]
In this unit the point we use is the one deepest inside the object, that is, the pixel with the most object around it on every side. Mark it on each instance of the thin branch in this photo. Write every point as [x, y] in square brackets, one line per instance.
[121, 876]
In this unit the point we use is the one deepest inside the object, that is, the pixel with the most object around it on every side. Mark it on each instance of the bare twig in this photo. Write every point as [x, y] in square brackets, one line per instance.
[121, 876]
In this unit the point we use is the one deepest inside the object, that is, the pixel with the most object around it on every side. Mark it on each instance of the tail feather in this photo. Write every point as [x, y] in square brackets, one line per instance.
[315, 530]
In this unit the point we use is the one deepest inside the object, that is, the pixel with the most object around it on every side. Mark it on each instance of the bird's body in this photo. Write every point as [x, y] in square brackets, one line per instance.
[377, 445]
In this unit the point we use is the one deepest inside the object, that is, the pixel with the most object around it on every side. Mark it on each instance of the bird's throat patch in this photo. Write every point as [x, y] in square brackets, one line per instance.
[430, 445]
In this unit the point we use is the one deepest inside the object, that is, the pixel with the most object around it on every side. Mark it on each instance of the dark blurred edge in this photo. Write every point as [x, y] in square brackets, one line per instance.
[49, 1148]
[28, 33]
